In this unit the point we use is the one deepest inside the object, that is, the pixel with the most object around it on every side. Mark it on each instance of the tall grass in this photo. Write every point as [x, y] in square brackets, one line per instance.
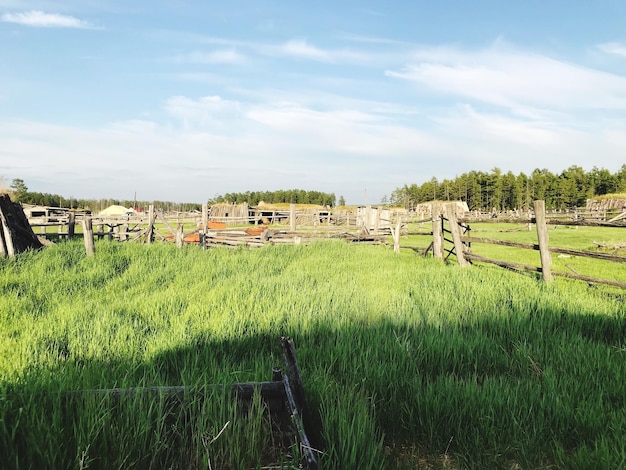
[406, 361]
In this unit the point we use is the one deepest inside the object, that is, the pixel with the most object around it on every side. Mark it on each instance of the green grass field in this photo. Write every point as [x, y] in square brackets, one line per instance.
[407, 362]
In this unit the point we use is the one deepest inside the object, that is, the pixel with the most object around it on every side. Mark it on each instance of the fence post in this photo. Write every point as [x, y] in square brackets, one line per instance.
[179, 236]
[205, 217]
[396, 235]
[7, 245]
[542, 237]
[292, 217]
[71, 221]
[437, 232]
[456, 235]
[151, 220]
[124, 234]
[88, 236]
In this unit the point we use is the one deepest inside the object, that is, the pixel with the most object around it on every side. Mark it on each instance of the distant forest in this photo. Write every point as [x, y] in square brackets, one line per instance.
[295, 196]
[506, 191]
[481, 190]
[20, 193]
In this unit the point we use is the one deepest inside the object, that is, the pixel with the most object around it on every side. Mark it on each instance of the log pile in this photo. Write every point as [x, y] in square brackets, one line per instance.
[606, 204]
[235, 238]
[16, 234]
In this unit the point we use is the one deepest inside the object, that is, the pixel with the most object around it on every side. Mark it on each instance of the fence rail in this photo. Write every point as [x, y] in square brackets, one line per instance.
[461, 247]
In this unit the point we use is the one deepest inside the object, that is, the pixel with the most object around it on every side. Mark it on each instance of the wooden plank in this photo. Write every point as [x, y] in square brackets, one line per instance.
[524, 267]
[88, 236]
[590, 279]
[71, 225]
[151, 220]
[589, 254]
[310, 459]
[492, 241]
[459, 247]
[7, 237]
[542, 238]
[553, 249]
[294, 384]
[3, 247]
[272, 393]
[179, 236]
[437, 232]
[503, 264]
[292, 217]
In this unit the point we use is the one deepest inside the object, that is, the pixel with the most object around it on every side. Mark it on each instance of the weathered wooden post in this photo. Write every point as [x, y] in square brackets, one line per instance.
[100, 231]
[151, 220]
[71, 221]
[205, 217]
[3, 247]
[367, 218]
[124, 233]
[455, 230]
[6, 236]
[88, 236]
[437, 231]
[179, 236]
[396, 235]
[205, 225]
[292, 217]
[379, 210]
[542, 238]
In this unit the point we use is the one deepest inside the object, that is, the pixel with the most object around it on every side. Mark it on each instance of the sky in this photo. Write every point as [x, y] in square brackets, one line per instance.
[181, 101]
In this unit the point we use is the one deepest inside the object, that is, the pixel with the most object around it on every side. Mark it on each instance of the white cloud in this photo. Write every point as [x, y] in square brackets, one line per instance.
[206, 113]
[300, 48]
[221, 56]
[510, 78]
[613, 48]
[39, 18]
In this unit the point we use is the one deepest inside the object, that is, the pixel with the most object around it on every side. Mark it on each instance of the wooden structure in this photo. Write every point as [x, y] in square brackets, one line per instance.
[16, 234]
[284, 397]
[460, 246]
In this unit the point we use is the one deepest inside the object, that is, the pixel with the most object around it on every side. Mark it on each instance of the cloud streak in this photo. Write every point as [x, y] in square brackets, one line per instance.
[613, 48]
[513, 79]
[40, 19]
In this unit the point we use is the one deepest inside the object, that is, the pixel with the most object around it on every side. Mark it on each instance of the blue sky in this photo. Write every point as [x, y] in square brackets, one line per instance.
[182, 100]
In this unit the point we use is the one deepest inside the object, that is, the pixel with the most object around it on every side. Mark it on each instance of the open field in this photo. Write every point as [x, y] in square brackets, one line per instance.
[409, 363]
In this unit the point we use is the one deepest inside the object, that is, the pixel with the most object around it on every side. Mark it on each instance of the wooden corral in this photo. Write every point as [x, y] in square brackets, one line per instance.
[240, 214]
[460, 241]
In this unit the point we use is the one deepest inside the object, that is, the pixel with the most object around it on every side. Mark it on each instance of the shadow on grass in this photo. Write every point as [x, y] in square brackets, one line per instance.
[535, 390]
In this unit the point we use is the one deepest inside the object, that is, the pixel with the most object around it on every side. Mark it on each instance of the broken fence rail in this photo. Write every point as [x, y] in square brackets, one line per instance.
[284, 394]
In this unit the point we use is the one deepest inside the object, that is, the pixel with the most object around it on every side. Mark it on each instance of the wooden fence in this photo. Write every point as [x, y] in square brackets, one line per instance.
[450, 233]
[447, 223]
[298, 227]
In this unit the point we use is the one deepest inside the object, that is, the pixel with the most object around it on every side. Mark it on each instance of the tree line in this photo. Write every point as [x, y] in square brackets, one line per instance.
[480, 190]
[20, 193]
[507, 191]
[295, 196]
